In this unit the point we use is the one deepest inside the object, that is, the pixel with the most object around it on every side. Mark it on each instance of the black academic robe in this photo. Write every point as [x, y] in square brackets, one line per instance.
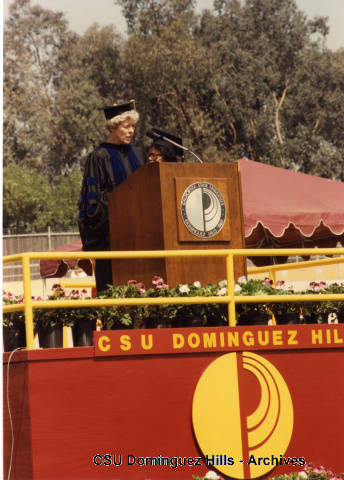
[106, 167]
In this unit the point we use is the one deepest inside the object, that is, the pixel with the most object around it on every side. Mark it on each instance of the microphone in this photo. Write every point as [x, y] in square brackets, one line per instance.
[154, 135]
[159, 136]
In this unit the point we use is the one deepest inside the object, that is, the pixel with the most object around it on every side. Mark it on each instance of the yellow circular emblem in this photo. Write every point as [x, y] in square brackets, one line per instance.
[236, 445]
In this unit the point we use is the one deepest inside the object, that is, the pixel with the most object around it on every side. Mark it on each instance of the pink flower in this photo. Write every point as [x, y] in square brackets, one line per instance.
[58, 291]
[280, 283]
[132, 282]
[267, 281]
[141, 287]
[161, 286]
[318, 286]
[157, 280]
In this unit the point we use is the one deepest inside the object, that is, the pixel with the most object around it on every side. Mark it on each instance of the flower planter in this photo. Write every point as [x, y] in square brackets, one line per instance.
[82, 332]
[287, 318]
[317, 318]
[50, 337]
[120, 326]
[217, 322]
[189, 321]
[14, 336]
[253, 318]
[341, 316]
[157, 323]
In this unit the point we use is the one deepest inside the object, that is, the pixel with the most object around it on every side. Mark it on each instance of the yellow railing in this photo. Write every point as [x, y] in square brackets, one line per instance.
[272, 269]
[230, 298]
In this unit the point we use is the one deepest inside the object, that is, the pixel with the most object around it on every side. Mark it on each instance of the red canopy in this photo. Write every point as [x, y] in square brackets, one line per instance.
[287, 208]
[58, 268]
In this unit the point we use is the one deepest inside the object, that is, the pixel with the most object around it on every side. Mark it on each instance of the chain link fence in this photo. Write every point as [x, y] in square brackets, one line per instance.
[32, 242]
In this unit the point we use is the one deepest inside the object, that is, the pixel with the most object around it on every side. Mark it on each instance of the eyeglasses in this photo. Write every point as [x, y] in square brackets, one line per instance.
[154, 156]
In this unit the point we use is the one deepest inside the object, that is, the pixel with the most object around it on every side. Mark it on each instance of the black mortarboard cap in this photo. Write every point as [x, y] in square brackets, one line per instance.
[114, 110]
[158, 136]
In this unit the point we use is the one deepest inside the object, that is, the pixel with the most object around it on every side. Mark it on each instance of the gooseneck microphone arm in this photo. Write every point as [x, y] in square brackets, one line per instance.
[157, 136]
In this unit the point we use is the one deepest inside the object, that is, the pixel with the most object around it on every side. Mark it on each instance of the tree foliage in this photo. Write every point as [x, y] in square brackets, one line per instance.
[31, 203]
[33, 38]
[89, 77]
[26, 200]
[249, 78]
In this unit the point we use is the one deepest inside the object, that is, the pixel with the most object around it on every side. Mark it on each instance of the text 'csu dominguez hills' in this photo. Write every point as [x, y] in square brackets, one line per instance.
[184, 340]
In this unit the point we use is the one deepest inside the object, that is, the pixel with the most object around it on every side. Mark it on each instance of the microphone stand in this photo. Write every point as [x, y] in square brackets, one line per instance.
[179, 146]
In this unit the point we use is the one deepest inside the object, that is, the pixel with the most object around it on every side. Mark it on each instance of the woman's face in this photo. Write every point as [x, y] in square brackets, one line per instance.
[154, 155]
[123, 134]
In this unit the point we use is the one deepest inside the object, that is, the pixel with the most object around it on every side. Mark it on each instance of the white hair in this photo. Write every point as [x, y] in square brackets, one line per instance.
[114, 122]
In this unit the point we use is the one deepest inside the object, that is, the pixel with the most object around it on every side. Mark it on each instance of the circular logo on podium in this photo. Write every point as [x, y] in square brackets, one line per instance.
[203, 209]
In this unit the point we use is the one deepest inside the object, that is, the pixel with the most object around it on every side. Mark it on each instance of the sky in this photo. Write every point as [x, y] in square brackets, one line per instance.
[81, 14]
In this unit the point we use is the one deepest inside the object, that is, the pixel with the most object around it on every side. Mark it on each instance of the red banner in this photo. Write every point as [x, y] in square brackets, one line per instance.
[217, 339]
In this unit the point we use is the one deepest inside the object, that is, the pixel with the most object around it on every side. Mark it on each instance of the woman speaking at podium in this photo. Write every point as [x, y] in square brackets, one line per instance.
[107, 167]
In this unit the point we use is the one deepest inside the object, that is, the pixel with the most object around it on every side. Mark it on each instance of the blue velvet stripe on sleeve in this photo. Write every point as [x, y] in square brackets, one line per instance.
[92, 181]
[92, 195]
[90, 210]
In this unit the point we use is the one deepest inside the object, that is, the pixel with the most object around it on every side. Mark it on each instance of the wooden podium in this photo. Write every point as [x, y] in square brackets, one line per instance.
[172, 206]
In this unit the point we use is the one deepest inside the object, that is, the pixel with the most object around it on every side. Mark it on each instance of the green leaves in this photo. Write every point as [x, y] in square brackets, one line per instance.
[31, 204]
[27, 201]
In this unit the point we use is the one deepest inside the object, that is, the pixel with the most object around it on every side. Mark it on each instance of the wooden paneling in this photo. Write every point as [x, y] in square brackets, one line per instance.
[135, 216]
[145, 214]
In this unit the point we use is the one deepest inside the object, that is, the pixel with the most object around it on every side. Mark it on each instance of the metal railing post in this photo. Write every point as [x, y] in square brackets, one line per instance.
[64, 336]
[272, 275]
[28, 302]
[49, 238]
[230, 289]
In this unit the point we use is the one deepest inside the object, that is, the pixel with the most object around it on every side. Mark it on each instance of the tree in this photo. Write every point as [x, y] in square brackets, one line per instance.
[27, 205]
[148, 17]
[33, 38]
[313, 116]
[90, 78]
[31, 204]
[65, 196]
[261, 49]
[168, 69]
[246, 80]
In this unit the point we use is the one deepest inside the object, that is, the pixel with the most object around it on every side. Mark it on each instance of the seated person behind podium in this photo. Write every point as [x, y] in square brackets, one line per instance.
[162, 150]
[106, 167]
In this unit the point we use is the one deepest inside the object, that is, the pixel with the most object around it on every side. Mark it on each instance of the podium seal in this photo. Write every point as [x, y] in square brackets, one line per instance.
[203, 209]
